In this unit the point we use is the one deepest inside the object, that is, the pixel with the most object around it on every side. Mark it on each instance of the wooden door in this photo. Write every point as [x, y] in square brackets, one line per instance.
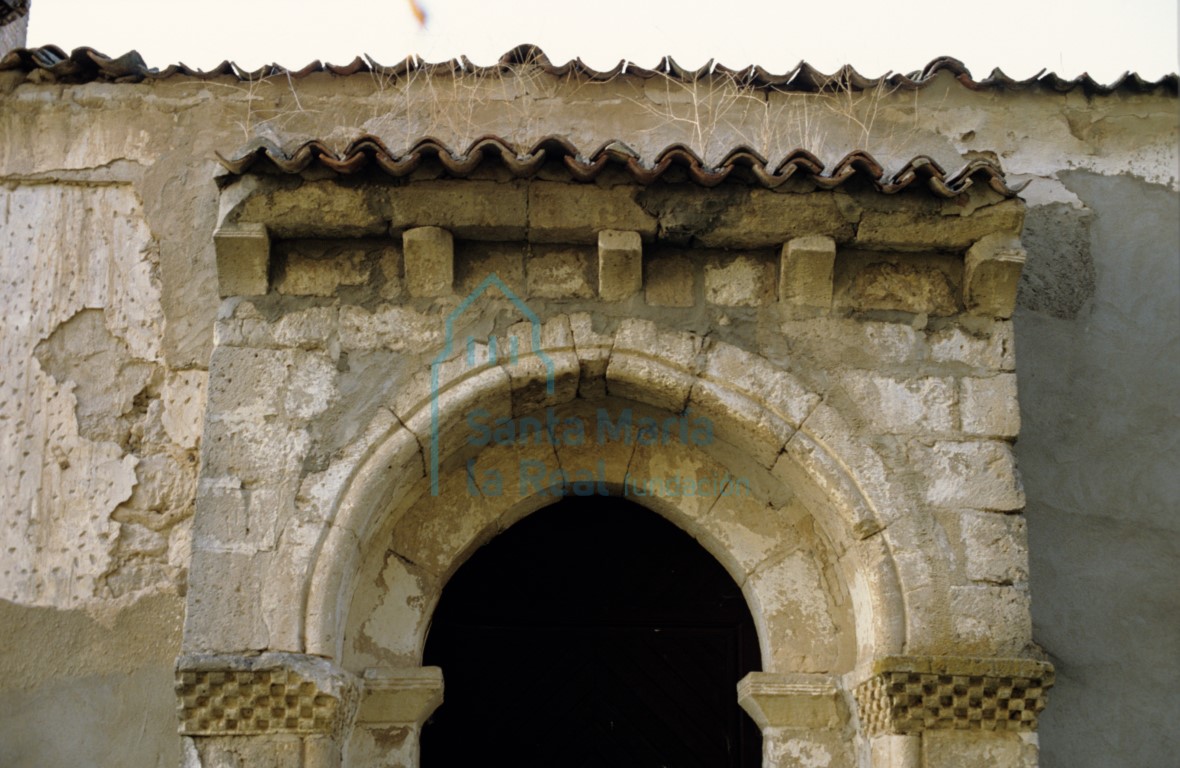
[593, 633]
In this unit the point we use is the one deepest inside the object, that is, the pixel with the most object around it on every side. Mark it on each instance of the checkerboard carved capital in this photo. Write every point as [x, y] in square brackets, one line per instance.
[249, 695]
[908, 694]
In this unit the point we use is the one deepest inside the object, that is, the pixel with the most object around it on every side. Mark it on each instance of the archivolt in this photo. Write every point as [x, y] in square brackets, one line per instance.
[766, 421]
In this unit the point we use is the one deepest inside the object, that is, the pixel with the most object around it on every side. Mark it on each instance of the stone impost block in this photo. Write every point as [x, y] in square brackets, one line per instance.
[620, 264]
[805, 277]
[400, 696]
[268, 693]
[793, 700]
[243, 259]
[909, 694]
[429, 257]
[991, 273]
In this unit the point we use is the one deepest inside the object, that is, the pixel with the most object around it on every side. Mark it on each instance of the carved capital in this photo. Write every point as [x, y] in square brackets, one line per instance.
[226, 695]
[908, 694]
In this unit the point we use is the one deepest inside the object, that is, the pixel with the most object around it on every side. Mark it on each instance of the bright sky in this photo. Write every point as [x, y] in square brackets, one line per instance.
[1103, 37]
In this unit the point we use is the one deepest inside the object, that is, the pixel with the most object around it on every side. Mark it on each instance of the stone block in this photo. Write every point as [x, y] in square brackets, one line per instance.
[969, 474]
[471, 209]
[977, 749]
[805, 273]
[321, 208]
[620, 264]
[560, 273]
[593, 350]
[668, 281]
[305, 275]
[474, 261]
[742, 281]
[995, 547]
[991, 619]
[243, 259]
[991, 273]
[793, 602]
[429, 256]
[396, 328]
[761, 218]
[918, 283]
[576, 213]
[903, 406]
[900, 224]
[994, 351]
[664, 382]
[989, 407]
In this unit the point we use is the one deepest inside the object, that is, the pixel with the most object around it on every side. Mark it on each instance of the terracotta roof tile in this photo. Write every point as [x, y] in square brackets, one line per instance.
[740, 163]
[86, 65]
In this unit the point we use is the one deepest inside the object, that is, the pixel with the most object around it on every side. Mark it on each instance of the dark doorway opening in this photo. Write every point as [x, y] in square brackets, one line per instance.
[592, 633]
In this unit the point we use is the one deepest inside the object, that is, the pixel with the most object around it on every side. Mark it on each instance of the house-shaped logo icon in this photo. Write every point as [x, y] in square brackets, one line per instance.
[513, 354]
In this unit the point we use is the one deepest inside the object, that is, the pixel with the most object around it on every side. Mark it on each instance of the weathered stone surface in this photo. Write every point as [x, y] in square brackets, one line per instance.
[991, 274]
[903, 406]
[794, 605]
[391, 327]
[668, 281]
[315, 209]
[474, 209]
[989, 407]
[979, 475]
[995, 547]
[805, 271]
[759, 218]
[560, 273]
[740, 281]
[562, 213]
[994, 351]
[916, 284]
[305, 275]
[632, 374]
[475, 261]
[929, 226]
[620, 264]
[429, 257]
[243, 259]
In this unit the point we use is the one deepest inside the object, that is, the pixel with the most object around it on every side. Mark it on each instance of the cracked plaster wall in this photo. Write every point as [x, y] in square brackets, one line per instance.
[108, 269]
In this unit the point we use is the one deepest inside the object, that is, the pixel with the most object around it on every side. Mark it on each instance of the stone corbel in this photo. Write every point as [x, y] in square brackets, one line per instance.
[793, 700]
[991, 272]
[243, 259]
[400, 696]
[806, 268]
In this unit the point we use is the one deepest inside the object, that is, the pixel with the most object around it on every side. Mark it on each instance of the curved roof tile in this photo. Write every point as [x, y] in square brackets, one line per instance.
[369, 152]
[86, 65]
